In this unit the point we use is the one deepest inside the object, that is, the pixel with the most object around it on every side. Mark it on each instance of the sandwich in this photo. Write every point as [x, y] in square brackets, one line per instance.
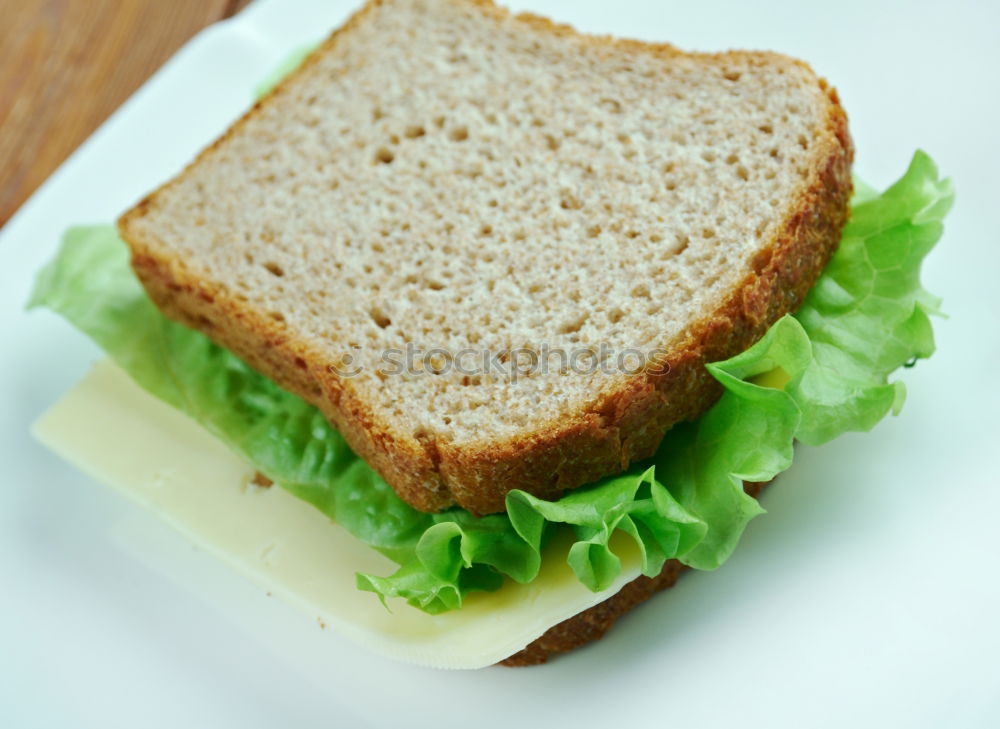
[532, 315]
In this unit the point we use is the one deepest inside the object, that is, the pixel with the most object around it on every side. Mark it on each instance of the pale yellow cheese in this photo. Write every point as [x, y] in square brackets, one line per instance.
[121, 435]
[776, 379]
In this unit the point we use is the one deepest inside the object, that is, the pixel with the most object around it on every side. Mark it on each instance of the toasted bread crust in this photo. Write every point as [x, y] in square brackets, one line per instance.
[617, 428]
[594, 622]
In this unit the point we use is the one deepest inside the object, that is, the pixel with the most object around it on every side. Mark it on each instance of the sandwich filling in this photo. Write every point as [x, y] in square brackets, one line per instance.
[814, 375]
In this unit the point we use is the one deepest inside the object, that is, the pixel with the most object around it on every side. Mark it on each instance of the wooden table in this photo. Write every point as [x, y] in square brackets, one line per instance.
[65, 65]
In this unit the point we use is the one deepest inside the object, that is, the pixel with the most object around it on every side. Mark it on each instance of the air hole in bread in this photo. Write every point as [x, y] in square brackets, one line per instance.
[612, 105]
[575, 324]
[640, 291]
[379, 317]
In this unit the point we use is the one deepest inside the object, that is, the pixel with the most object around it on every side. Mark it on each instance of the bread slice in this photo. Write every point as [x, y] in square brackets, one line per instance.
[441, 174]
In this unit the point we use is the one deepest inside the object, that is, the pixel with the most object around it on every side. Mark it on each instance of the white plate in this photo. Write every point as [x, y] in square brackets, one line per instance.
[868, 596]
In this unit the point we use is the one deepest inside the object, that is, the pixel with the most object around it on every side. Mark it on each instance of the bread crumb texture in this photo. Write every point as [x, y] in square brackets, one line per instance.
[442, 174]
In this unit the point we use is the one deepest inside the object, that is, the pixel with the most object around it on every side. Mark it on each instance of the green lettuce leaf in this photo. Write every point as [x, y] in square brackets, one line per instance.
[867, 316]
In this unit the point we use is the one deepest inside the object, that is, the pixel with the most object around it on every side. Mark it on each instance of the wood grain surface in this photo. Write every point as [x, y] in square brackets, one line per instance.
[65, 65]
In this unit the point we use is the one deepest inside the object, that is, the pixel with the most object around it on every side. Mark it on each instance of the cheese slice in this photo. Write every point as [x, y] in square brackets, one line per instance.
[119, 434]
